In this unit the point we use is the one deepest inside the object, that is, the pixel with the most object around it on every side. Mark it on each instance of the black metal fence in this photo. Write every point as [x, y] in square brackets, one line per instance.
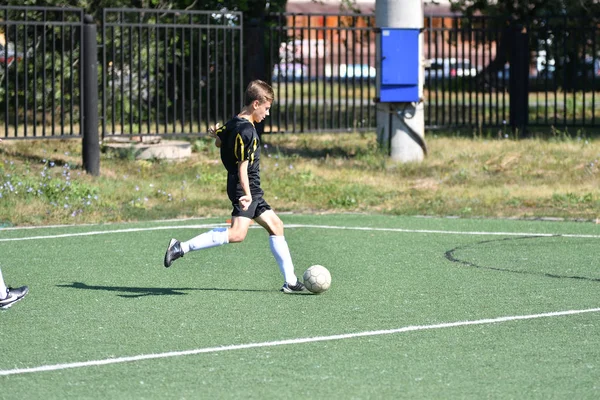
[495, 72]
[171, 73]
[323, 72]
[167, 72]
[481, 72]
[40, 71]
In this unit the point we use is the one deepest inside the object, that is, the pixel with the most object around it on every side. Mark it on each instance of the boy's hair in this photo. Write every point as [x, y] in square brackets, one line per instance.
[258, 90]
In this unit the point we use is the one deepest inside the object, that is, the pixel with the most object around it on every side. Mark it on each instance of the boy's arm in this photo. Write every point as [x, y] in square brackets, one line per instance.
[246, 199]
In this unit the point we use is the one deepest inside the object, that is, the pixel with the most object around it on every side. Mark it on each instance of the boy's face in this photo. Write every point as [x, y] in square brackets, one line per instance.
[260, 110]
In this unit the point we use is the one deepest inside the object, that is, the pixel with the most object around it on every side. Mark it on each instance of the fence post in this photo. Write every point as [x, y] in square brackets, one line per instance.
[89, 91]
[519, 80]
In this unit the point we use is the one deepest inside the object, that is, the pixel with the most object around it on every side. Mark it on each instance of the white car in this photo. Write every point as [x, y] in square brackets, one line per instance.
[289, 72]
[350, 71]
[449, 68]
[8, 55]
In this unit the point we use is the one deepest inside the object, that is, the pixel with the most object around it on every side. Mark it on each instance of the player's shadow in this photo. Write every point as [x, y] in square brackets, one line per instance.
[135, 292]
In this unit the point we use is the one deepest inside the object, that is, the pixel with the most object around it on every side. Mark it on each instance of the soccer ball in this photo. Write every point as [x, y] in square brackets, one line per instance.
[317, 279]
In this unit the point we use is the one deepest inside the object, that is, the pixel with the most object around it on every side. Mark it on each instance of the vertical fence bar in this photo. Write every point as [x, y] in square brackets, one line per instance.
[209, 100]
[35, 79]
[311, 45]
[474, 39]
[174, 96]
[151, 77]
[595, 71]
[16, 97]
[466, 67]
[5, 67]
[72, 82]
[140, 73]
[25, 77]
[113, 75]
[160, 74]
[200, 81]
[183, 83]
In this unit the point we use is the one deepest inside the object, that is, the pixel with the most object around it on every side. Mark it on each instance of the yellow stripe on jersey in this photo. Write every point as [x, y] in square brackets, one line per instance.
[254, 146]
[238, 149]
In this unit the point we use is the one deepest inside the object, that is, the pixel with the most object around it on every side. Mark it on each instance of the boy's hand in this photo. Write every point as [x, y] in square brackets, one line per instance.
[245, 201]
[212, 130]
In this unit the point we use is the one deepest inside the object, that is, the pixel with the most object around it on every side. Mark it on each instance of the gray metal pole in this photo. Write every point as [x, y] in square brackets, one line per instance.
[89, 91]
[401, 126]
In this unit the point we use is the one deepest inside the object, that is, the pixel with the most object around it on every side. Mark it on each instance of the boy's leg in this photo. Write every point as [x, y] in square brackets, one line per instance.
[218, 236]
[177, 249]
[215, 237]
[3, 287]
[206, 240]
[279, 247]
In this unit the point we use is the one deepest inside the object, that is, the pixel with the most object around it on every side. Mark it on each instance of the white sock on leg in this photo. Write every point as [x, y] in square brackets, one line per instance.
[213, 238]
[281, 251]
[3, 288]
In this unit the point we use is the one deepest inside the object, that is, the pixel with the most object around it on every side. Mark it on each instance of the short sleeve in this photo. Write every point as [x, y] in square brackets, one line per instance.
[221, 131]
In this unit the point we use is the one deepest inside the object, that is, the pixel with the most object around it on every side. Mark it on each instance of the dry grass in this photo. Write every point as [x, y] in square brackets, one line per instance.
[311, 173]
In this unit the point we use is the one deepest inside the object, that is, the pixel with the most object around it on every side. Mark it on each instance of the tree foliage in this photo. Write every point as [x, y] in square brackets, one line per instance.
[95, 7]
[528, 9]
[133, 70]
[567, 32]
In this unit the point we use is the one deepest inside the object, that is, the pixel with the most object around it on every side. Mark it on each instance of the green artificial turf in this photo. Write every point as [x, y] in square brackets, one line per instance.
[385, 329]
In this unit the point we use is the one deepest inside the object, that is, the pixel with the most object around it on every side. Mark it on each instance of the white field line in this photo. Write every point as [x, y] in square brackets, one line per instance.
[141, 357]
[292, 226]
[18, 228]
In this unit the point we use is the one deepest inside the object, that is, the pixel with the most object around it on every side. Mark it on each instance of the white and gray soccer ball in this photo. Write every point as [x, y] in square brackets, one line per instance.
[317, 279]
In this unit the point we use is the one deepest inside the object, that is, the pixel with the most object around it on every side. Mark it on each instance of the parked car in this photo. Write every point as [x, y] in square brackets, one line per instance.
[449, 68]
[283, 72]
[350, 71]
[295, 50]
[591, 68]
[544, 72]
[8, 55]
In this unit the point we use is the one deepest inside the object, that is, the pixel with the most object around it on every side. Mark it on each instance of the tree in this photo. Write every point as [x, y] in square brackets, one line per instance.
[566, 30]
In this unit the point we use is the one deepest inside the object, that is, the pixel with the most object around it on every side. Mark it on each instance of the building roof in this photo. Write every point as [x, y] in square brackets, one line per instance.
[439, 8]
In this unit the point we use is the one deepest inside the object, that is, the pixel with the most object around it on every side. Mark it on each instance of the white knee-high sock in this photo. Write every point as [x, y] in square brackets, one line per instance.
[3, 288]
[215, 237]
[281, 251]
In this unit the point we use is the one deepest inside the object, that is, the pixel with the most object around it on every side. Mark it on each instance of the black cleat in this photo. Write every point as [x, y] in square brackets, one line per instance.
[13, 295]
[173, 252]
[298, 288]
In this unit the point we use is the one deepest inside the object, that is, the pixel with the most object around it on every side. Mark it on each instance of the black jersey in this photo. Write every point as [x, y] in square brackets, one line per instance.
[240, 142]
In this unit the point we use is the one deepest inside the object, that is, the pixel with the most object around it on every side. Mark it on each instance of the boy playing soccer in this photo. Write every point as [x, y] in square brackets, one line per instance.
[240, 154]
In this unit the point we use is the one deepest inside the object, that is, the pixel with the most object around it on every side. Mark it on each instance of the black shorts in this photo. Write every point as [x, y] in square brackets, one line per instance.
[257, 207]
